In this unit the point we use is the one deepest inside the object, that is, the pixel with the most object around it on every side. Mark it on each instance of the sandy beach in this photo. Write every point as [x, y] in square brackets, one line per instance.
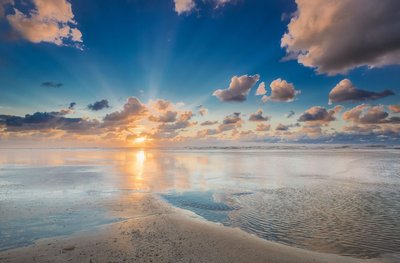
[153, 231]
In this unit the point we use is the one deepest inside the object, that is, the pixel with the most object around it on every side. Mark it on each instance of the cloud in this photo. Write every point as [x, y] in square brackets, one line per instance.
[230, 122]
[261, 89]
[257, 116]
[290, 114]
[183, 121]
[232, 119]
[202, 110]
[172, 120]
[133, 109]
[220, 3]
[207, 132]
[184, 6]
[171, 124]
[168, 116]
[261, 127]
[72, 105]
[99, 105]
[375, 133]
[335, 36]
[373, 121]
[311, 130]
[187, 6]
[49, 21]
[244, 135]
[208, 123]
[282, 127]
[66, 111]
[238, 89]
[51, 84]
[320, 115]
[281, 91]
[161, 105]
[42, 121]
[366, 114]
[3, 4]
[345, 91]
[394, 108]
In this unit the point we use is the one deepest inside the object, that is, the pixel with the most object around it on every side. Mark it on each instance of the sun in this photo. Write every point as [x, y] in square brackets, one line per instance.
[140, 140]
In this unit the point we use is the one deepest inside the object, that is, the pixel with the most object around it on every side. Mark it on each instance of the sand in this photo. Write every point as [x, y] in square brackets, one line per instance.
[155, 232]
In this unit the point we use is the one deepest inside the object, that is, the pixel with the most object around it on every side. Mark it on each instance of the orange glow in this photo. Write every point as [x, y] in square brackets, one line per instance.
[140, 140]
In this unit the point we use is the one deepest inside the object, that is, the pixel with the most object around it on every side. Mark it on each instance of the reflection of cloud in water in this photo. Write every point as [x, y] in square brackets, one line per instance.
[341, 201]
[152, 171]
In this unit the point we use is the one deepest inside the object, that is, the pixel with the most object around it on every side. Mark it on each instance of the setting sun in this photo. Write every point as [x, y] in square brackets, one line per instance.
[140, 140]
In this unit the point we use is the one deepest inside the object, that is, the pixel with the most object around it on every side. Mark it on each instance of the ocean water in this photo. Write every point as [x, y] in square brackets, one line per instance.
[338, 200]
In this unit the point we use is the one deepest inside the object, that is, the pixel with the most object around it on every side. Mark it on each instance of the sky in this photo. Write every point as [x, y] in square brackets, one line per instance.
[198, 72]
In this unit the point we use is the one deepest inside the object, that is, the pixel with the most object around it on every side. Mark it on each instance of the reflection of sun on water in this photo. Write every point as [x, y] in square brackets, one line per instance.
[139, 165]
[140, 157]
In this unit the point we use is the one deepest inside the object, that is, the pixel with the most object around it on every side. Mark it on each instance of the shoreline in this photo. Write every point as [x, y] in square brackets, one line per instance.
[155, 231]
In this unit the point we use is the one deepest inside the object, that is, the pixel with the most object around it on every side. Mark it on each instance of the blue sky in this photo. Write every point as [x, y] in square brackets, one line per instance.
[148, 50]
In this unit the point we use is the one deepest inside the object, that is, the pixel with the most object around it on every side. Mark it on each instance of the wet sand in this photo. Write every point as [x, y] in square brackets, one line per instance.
[152, 231]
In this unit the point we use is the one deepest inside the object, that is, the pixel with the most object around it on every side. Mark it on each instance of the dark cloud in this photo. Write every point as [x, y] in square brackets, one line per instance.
[344, 34]
[41, 121]
[319, 114]
[167, 116]
[99, 105]
[290, 114]
[50, 84]
[72, 105]
[282, 127]
[182, 122]
[258, 116]
[3, 6]
[232, 119]
[238, 89]
[208, 123]
[228, 127]
[230, 122]
[345, 91]
[133, 109]
[174, 126]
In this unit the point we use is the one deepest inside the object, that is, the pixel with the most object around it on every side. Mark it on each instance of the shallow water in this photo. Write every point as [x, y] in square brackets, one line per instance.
[343, 201]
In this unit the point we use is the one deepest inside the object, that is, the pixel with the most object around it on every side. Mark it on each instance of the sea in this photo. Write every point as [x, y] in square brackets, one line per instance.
[339, 199]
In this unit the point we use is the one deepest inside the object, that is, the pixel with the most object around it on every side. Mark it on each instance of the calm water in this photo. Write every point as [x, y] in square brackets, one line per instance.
[343, 201]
